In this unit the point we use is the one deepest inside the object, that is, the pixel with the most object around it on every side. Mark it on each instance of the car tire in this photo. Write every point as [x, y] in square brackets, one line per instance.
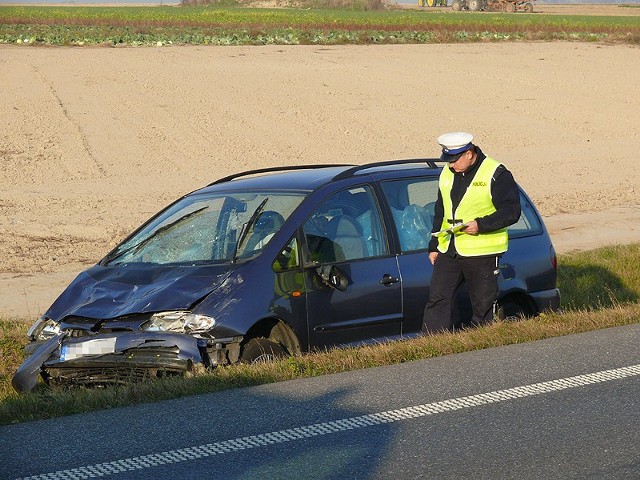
[511, 311]
[261, 350]
[456, 5]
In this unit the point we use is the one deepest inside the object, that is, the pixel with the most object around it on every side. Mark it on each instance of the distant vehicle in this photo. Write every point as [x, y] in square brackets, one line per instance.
[509, 6]
[432, 3]
[269, 263]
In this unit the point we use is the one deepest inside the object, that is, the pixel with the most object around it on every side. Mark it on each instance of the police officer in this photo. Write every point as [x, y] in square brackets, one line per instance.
[477, 200]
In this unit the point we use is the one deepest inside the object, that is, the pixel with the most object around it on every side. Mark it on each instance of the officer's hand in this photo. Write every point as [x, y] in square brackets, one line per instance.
[432, 257]
[471, 228]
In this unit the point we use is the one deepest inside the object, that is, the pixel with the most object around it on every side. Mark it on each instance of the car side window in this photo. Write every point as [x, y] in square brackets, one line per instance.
[412, 202]
[528, 223]
[287, 259]
[347, 226]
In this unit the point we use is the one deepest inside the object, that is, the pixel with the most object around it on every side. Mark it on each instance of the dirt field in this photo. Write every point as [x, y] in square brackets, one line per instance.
[95, 140]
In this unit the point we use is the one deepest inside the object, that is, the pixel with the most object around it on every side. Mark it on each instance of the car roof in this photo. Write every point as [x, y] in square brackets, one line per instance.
[310, 177]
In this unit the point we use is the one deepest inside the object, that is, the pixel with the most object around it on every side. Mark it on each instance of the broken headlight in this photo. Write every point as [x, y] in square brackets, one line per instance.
[43, 329]
[180, 322]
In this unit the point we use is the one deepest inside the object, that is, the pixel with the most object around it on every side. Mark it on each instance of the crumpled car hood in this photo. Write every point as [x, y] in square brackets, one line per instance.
[110, 292]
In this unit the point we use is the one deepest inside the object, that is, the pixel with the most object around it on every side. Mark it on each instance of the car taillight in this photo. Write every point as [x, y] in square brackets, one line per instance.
[554, 258]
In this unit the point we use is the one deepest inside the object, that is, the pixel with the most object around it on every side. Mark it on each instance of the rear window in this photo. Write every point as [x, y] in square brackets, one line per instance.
[528, 223]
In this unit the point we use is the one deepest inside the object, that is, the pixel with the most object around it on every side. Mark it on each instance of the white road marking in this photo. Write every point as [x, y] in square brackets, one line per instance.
[326, 428]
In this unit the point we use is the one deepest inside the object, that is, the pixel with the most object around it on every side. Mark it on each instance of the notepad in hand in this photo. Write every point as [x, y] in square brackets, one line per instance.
[451, 230]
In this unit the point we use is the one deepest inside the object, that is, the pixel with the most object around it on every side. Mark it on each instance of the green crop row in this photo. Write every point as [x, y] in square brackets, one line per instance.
[129, 36]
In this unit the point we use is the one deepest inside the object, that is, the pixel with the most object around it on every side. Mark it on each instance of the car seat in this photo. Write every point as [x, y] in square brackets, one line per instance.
[347, 238]
[267, 224]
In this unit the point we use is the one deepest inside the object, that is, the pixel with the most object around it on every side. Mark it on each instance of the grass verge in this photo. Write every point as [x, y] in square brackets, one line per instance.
[602, 287]
[224, 25]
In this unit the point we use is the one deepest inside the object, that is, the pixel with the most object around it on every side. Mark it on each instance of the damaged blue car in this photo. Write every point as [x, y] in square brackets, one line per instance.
[264, 264]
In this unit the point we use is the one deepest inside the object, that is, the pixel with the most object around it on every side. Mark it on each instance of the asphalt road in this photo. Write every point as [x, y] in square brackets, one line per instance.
[538, 410]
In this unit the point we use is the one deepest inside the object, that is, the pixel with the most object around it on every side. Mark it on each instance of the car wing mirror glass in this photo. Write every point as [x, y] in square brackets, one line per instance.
[333, 277]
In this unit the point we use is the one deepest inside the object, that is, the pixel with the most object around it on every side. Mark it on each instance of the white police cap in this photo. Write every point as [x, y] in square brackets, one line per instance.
[454, 144]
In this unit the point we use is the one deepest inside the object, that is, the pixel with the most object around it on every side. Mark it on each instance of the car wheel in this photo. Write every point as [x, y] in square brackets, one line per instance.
[528, 7]
[261, 350]
[511, 310]
[456, 5]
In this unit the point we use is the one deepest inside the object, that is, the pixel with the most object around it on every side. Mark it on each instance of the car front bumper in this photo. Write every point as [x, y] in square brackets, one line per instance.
[116, 358]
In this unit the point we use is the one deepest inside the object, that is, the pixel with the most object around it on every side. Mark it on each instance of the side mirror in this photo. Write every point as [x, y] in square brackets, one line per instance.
[333, 277]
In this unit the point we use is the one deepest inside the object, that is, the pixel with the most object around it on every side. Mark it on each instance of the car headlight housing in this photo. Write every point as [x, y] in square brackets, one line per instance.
[179, 322]
[43, 329]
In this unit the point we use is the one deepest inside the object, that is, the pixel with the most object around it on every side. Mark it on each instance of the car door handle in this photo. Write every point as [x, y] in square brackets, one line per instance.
[388, 279]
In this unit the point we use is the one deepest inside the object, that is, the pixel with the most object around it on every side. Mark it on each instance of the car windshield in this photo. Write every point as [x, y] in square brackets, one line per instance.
[208, 228]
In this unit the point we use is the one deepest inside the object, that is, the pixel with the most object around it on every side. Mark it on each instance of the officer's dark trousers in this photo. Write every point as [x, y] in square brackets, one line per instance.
[449, 273]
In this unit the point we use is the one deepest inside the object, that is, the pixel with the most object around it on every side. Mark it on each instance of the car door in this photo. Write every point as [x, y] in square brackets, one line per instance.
[346, 244]
[411, 203]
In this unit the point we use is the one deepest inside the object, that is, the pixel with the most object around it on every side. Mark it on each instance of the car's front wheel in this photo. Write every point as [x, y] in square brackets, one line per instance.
[260, 350]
